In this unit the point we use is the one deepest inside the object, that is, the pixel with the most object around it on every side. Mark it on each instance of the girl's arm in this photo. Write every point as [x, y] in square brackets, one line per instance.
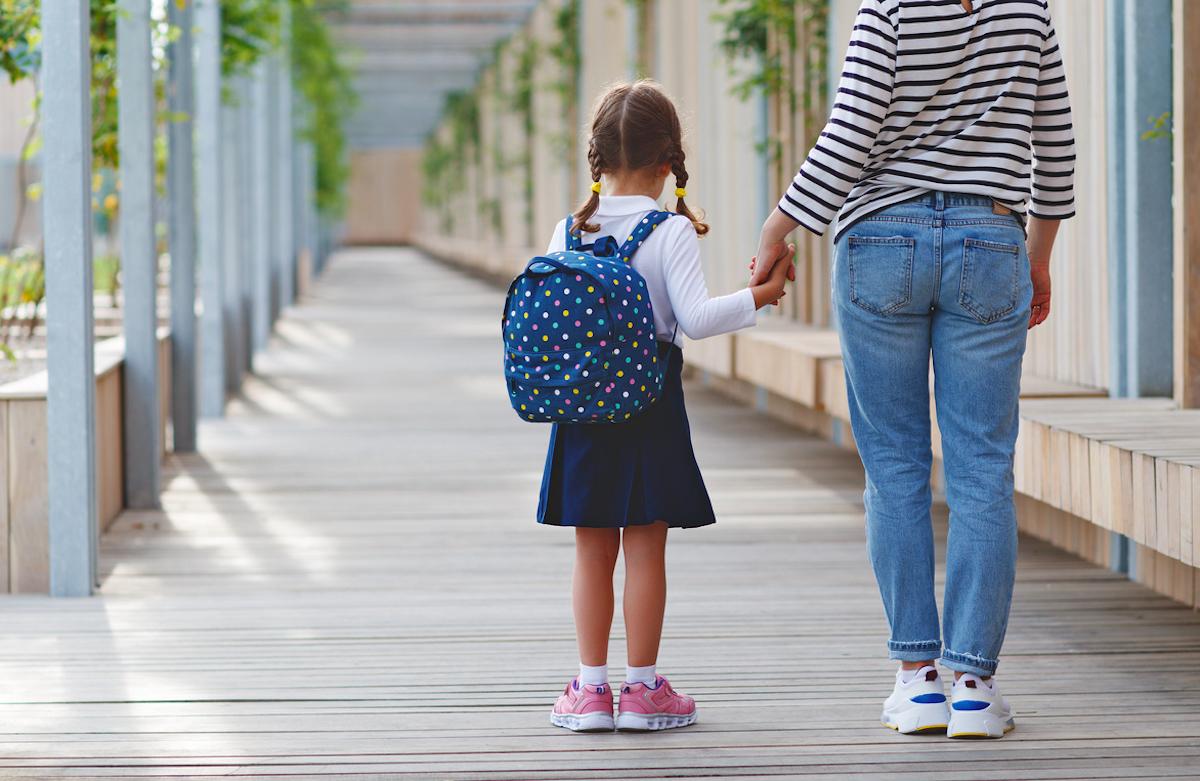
[699, 316]
[837, 160]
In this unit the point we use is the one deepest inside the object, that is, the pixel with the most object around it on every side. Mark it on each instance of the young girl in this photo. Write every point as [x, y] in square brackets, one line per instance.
[623, 485]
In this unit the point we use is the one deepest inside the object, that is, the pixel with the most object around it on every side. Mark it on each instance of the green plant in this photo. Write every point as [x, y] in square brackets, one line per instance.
[763, 40]
[565, 53]
[322, 77]
[249, 31]
[521, 99]
[1160, 127]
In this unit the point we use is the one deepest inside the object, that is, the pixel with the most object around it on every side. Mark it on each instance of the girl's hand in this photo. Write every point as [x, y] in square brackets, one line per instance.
[773, 288]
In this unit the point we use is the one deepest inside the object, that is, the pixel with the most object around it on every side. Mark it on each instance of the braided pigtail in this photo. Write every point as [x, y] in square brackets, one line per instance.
[579, 222]
[679, 169]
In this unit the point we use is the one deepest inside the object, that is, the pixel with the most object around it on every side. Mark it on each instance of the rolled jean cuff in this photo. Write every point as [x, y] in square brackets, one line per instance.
[966, 663]
[914, 652]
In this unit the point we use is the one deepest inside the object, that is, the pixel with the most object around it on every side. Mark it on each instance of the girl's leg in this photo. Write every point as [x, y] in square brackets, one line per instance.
[645, 591]
[595, 559]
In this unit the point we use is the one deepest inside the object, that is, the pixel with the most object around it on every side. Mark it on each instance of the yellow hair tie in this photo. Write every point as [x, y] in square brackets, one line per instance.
[680, 192]
[596, 187]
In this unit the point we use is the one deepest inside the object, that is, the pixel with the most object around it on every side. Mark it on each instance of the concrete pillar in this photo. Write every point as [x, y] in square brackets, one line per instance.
[208, 191]
[67, 227]
[181, 187]
[139, 255]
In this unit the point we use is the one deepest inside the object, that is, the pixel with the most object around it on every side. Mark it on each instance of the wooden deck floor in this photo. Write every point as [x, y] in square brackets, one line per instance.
[349, 583]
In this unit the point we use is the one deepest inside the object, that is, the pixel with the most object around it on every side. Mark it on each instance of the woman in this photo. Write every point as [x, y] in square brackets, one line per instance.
[950, 117]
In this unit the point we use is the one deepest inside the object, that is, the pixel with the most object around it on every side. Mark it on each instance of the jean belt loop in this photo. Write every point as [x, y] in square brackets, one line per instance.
[939, 202]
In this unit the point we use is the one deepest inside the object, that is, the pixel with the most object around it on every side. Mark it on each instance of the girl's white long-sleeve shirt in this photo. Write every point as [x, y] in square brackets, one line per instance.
[669, 261]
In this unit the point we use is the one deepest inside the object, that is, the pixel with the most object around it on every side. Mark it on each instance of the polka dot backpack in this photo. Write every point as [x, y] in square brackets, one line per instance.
[578, 331]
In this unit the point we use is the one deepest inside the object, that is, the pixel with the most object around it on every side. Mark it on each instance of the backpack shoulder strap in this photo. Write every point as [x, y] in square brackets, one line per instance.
[573, 242]
[641, 233]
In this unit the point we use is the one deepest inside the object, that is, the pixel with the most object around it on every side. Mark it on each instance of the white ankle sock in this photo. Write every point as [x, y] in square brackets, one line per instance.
[908, 676]
[593, 676]
[646, 675]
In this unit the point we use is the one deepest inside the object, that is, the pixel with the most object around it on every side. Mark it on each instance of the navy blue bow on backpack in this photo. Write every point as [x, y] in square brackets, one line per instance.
[579, 339]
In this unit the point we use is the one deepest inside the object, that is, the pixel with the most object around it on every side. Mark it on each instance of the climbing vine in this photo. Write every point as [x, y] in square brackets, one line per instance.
[779, 49]
[564, 52]
[521, 103]
[321, 76]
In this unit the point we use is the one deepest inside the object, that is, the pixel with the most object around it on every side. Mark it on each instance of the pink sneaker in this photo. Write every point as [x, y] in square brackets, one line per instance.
[584, 708]
[661, 707]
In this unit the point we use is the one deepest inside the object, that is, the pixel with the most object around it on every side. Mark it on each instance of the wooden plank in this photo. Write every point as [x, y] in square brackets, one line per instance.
[4, 511]
[1185, 117]
[29, 534]
[110, 477]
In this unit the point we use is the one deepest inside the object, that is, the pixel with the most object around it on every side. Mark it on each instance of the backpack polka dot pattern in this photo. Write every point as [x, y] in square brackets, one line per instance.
[579, 339]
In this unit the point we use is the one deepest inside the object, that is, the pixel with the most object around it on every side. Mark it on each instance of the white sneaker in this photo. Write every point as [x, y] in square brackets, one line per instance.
[977, 710]
[917, 706]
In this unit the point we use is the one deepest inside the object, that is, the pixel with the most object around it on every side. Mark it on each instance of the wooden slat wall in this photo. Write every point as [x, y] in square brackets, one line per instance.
[1187, 202]
[1072, 345]
[730, 177]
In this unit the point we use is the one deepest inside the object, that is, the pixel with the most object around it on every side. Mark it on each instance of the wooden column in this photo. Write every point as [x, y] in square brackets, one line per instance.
[67, 227]
[1186, 121]
[181, 187]
[139, 256]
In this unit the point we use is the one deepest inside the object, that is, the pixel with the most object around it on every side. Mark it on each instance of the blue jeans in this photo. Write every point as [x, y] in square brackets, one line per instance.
[940, 275]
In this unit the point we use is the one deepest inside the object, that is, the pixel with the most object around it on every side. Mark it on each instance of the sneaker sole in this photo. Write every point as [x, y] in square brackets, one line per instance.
[923, 717]
[650, 722]
[587, 722]
[978, 724]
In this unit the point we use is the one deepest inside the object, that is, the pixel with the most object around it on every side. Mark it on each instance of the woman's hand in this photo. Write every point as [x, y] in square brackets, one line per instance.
[1039, 309]
[771, 246]
[1039, 243]
[777, 274]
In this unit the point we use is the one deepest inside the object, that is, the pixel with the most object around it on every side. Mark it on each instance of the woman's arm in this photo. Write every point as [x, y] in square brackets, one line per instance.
[836, 161]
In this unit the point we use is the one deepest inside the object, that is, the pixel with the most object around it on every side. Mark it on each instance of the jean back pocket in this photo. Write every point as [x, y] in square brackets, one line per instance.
[990, 279]
[881, 272]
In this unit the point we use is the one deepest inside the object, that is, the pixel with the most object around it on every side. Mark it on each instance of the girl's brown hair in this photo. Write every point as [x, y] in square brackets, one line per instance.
[634, 126]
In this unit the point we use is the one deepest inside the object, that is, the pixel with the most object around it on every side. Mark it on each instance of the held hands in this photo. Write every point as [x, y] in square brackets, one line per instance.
[774, 277]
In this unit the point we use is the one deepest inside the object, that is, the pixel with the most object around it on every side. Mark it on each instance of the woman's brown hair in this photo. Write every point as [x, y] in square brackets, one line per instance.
[634, 126]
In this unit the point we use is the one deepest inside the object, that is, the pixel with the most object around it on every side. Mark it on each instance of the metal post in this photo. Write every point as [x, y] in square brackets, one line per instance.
[285, 152]
[208, 180]
[182, 188]
[261, 182]
[247, 220]
[139, 258]
[67, 228]
[270, 115]
[232, 246]
[1140, 213]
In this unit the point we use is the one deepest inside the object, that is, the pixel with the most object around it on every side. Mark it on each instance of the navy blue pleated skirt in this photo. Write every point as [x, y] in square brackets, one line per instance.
[628, 474]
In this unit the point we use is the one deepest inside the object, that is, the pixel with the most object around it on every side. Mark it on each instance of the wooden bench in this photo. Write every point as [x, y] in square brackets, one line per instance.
[1093, 464]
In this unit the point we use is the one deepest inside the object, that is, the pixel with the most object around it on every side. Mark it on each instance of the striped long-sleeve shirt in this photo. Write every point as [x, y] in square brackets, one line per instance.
[935, 98]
